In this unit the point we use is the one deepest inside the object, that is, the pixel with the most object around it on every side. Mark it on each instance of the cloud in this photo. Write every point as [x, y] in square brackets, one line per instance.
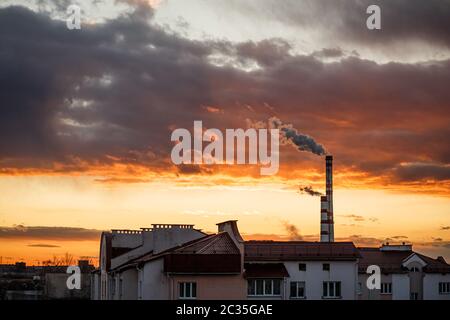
[276, 237]
[354, 217]
[109, 94]
[328, 53]
[49, 233]
[402, 20]
[366, 241]
[266, 52]
[359, 218]
[399, 237]
[363, 241]
[189, 169]
[445, 228]
[212, 109]
[422, 171]
[43, 245]
[114, 180]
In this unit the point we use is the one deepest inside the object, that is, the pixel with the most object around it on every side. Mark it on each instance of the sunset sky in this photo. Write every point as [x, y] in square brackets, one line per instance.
[86, 118]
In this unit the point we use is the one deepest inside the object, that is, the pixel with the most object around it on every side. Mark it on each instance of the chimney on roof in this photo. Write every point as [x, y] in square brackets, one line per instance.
[441, 259]
[231, 228]
[326, 205]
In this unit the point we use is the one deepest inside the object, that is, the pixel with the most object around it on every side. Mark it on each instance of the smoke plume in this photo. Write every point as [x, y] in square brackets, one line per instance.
[292, 231]
[309, 190]
[291, 135]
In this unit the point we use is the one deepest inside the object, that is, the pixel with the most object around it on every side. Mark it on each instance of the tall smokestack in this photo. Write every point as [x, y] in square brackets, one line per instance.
[326, 205]
[324, 224]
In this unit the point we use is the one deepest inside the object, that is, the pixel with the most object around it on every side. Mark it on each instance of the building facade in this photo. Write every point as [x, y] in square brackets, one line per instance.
[169, 262]
[405, 274]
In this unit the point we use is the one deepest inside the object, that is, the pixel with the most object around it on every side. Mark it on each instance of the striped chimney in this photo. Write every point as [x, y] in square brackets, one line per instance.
[326, 205]
[324, 225]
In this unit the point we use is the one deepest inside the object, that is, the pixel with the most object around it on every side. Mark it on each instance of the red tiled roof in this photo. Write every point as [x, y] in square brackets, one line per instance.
[265, 270]
[299, 250]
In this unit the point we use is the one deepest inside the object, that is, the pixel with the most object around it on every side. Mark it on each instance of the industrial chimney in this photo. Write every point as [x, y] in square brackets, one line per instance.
[326, 205]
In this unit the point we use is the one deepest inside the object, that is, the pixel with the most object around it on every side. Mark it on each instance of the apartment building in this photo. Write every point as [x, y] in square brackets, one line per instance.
[405, 274]
[301, 270]
[221, 266]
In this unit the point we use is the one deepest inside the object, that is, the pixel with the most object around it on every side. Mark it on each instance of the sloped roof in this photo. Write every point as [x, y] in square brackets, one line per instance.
[435, 265]
[214, 244]
[220, 243]
[265, 270]
[391, 261]
[299, 250]
[388, 261]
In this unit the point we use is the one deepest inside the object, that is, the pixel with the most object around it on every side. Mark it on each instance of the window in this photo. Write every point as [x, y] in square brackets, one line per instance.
[188, 290]
[331, 289]
[297, 289]
[359, 290]
[414, 269]
[414, 296]
[386, 288]
[264, 287]
[326, 267]
[302, 266]
[444, 287]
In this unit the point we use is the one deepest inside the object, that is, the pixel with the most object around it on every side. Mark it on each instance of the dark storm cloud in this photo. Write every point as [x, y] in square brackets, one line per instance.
[48, 233]
[47, 70]
[265, 52]
[329, 53]
[420, 171]
[401, 20]
[111, 92]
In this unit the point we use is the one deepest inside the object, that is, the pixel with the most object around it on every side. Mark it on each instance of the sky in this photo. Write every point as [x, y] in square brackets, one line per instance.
[86, 118]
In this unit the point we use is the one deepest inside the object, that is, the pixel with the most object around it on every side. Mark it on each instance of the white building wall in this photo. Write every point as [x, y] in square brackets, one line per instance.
[95, 286]
[154, 283]
[128, 285]
[400, 287]
[158, 240]
[431, 286]
[343, 271]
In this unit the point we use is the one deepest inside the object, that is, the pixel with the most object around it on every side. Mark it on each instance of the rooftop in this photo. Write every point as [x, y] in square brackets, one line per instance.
[391, 261]
[299, 250]
[214, 244]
